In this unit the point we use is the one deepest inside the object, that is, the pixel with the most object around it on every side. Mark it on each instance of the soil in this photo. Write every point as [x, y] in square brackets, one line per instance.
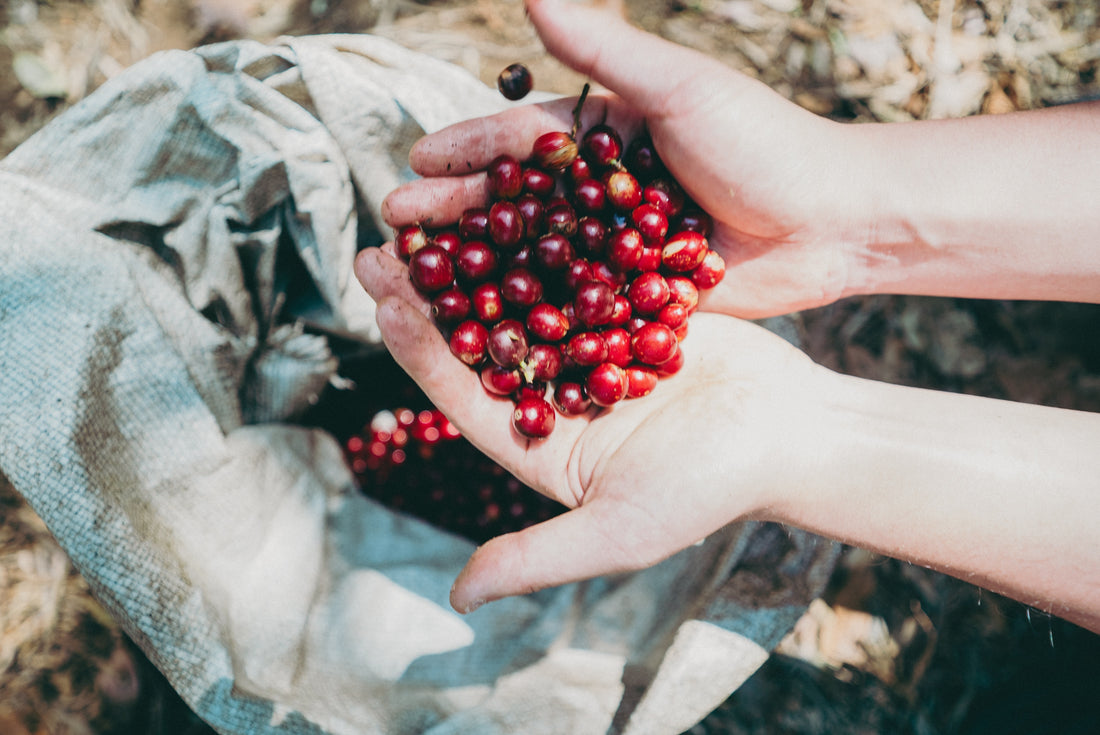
[891, 647]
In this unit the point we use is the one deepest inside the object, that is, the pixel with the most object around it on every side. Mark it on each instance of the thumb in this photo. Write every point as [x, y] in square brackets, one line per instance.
[599, 43]
[580, 544]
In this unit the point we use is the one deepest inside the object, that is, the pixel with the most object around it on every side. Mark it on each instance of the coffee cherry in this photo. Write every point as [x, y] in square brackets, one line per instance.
[621, 312]
[672, 365]
[408, 239]
[533, 418]
[473, 224]
[547, 322]
[571, 399]
[486, 303]
[505, 223]
[587, 348]
[618, 346]
[468, 342]
[553, 252]
[450, 306]
[684, 251]
[475, 261]
[601, 146]
[561, 218]
[515, 81]
[521, 287]
[501, 381]
[431, 269]
[623, 191]
[648, 293]
[653, 344]
[538, 182]
[533, 211]
[594, 303]
[695, 220]
[682, 290]
[592, 235]
[554, 150]
[710, 272]
[642, 159]
[590, 196]
[624, 249]
[666, 195]
[673, 316]
[505, 177]
[449, 240]
[543, 363]
[650, 222]
[640, 381]
[606, 384]
[507, 343]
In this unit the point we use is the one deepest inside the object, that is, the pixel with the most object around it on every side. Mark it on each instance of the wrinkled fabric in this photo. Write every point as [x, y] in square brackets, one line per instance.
[175, 259]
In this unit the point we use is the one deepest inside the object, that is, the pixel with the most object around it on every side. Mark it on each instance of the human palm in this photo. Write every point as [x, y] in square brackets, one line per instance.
[645, 478]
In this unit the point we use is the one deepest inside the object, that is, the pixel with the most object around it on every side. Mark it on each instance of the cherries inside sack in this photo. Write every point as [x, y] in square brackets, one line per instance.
[404, 454]
[571, 290]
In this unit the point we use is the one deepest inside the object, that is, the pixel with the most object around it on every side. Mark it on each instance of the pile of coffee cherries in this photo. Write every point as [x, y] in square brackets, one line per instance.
[574, 285]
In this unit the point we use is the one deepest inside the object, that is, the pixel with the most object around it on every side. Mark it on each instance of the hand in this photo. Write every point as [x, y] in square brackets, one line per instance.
[771, 175]
[645, 478]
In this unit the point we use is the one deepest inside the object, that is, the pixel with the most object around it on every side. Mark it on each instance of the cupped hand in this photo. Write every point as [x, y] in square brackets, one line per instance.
[643, 479]
[775, 178]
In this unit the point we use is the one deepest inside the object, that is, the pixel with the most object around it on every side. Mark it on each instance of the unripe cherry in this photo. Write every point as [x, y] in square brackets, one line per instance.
[554, 150]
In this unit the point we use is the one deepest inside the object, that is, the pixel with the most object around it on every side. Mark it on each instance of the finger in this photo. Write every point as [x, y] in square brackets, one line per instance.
[640, 67]
[434, 202]
[583, 543]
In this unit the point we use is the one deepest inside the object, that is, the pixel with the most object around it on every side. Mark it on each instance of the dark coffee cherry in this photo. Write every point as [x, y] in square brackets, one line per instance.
[553, 252]
[538, 182]
[586, 349]
[571, 399]
[602, 147]
[507, 343]
[515, 81]
[449, 240]
[505, 177]
[695, 220]
[580, 271]
[579, 170]
[475, 261]
[521, 287]
[473, 224]
[592, 235]
[594, 303]
[666, 195]
[505, 223]
[450, 306]
[533, 211]
[590, 196]
[561, 218]
[643, 160]
[431, 269]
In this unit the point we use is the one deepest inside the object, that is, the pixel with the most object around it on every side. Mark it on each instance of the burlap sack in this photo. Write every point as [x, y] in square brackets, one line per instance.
[174, 252]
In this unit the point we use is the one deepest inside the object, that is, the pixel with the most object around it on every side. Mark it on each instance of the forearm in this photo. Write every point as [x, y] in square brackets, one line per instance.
[1001, 494]
[984, 207]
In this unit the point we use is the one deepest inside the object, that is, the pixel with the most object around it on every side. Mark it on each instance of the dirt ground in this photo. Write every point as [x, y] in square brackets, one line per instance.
[891, 647]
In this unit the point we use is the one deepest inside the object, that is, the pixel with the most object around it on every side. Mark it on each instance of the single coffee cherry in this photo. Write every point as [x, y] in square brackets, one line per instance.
[640, 381]
[547, 322]
[505, 177]
[654, 344]
[451, 306]
[571, 399]
[521, 287]
[475, 261]
[501, 381]
[587, 348]
[594, 303]
[623, 190]
[538, 182]
[602, 147]
[554, 150]
[710, 272]
[505, 223]
[618, 346]
[606, 384]
[449, 240]
[474, 224]
[533, 417]
[648, 293]
[543, 363]
[651, 222]
[553, 252]
[431, 269]
[682, 290]
[624, 249]
[408, 239]
[515, 81]
[507, 343]
[487, 303]
[684, 251]
[468, 342]
[533, 211]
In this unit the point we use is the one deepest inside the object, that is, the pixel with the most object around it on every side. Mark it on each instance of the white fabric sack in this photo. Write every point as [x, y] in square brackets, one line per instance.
[173, 252]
